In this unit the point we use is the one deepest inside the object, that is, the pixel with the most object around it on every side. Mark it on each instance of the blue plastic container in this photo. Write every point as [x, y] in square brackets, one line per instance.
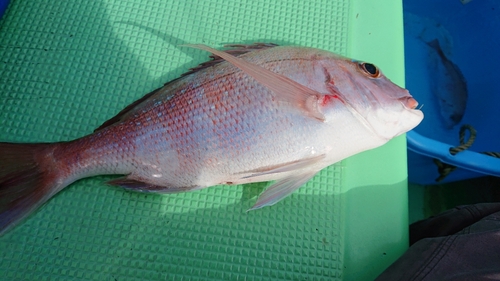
[3, 6]
[469, 37]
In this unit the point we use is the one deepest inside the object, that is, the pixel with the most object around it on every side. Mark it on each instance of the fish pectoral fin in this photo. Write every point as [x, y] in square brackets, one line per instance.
[285, 167]
[287, 89]
[139, 186]
[281, 189]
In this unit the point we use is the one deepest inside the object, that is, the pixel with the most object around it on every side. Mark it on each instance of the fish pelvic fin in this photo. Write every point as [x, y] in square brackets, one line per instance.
[26, 182]
[286, 167]
[305, 98]
[282, 188]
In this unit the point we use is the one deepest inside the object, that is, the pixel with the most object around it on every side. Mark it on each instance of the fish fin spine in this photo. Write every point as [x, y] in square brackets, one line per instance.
[285, 88]
[235, 50]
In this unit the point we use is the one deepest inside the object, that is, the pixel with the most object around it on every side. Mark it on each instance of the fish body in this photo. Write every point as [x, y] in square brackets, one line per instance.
[448, 85]
[256, 113]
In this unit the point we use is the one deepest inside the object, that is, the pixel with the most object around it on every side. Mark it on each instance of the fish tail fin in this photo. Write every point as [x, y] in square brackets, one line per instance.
[27, 180]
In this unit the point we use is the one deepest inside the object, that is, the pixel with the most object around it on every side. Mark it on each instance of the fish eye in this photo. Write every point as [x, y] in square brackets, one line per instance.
[369, 69]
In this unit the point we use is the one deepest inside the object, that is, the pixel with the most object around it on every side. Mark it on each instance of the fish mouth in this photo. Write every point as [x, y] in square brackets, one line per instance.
[409, 102]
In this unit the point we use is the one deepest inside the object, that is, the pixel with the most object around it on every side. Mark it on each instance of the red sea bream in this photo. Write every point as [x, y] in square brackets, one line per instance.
[255, 113]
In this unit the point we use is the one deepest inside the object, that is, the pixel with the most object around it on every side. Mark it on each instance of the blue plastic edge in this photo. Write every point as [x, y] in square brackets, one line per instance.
[469, 160]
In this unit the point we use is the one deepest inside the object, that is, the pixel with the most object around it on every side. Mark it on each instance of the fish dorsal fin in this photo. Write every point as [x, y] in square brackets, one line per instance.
[237, 50]
[285, 88]
[118, 117]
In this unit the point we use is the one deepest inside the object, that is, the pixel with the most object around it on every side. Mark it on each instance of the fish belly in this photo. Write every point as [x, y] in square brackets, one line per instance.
[224, 140]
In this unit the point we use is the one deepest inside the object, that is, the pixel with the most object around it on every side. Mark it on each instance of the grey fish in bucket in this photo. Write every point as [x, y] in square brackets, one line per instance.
[448, 86]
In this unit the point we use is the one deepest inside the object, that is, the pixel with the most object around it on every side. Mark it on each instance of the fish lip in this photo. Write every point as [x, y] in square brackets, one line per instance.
[409, 102]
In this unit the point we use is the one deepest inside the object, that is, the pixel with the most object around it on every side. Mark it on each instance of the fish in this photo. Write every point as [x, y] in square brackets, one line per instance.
[448, 86]
[254, 113]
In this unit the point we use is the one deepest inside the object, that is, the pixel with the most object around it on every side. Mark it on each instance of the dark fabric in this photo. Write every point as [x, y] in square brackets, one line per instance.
[471, 253]
[451, 221]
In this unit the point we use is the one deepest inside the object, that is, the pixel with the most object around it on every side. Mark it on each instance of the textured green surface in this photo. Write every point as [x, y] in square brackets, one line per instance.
[68, 66]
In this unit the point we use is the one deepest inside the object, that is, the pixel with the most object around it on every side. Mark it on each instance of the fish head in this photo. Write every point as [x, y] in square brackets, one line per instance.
[382, 106]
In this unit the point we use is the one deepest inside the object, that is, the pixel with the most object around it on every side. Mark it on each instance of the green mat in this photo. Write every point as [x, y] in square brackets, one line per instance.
[67, 66]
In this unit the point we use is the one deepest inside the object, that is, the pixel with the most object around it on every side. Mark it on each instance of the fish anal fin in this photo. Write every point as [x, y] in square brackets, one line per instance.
[285, 88]
[140, 186]
[281, 189]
